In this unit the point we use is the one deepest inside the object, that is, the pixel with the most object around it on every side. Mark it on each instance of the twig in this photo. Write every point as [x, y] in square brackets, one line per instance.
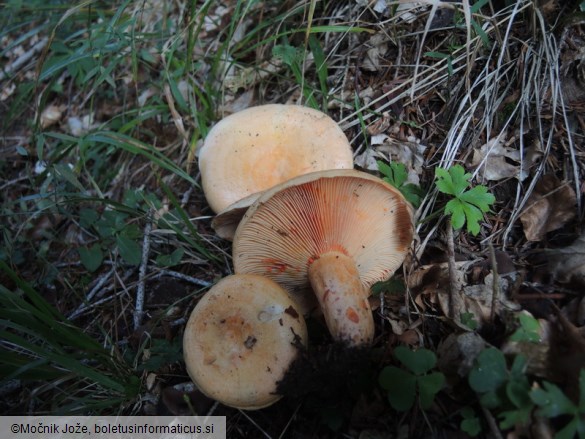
[452, 271]
[98, 285]
[181, 276]
[23, 59]
[292, 416]
[255, 424]
[83, 309]
[139, 308]
[492, 423]
[99, 293]
[495, 282]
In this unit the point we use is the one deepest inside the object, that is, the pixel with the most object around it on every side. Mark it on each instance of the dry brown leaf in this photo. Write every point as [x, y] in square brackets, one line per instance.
[550, 206]
[493, 160]
[567, 264]
[430, 286]
[51, 115]
[378, 46]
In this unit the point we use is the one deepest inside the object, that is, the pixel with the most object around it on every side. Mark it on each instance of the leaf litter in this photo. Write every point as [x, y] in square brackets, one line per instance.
[471, 106]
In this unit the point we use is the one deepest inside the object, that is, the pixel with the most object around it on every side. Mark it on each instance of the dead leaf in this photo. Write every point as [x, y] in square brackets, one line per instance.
[407, 11]
[496, 160]
[567, 355]
[567, 264]
[430, 286]
[550, 206]
[378, 47]
[457, 354]
[409, 153]
[51, 115]
[80, 126]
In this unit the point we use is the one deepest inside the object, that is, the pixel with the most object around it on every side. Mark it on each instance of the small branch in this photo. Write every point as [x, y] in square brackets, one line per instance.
[97, 287]
[23, 59]
[139, 309]
[492, 423]
[452, 270]
[181, 276]
[99, 293]
[495, 283]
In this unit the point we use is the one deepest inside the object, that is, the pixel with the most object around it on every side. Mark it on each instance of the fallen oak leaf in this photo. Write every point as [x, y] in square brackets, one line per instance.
[550, 206]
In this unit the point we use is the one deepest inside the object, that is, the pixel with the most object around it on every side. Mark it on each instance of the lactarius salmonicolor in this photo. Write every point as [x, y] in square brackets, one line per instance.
[336, 232]
[259, 147]
[240, 340]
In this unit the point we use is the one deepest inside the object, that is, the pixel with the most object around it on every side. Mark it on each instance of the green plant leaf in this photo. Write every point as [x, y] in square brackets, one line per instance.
[396, 174]
[452, 182]
[87, 217]
[401, 387]
[528, 330]
[428, 387]
[455, 208]
[129, 250]
[491, 400]
[468, 319]
[412, 193]
[479, 197]
[509, 418]
[171, 259]
[518, 393]
[552, 401]
[418, 362]
[470, 423]
[490, 371]
[472, 217]
[466, 206]
[575, 428]
[91, 257]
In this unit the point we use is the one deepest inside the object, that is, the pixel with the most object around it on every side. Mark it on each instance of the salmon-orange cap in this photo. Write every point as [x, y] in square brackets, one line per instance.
[241, 339]
[347, 211]
[259, 147]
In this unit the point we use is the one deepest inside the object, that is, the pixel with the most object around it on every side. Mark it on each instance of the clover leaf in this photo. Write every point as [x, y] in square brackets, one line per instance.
[402, 385]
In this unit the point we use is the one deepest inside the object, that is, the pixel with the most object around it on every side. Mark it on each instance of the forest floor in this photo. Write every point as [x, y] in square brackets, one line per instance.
[107, 242]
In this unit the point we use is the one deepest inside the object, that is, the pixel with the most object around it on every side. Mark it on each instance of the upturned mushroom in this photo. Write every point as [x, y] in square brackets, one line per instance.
[259, 147]
[335, 232]
[240, 340]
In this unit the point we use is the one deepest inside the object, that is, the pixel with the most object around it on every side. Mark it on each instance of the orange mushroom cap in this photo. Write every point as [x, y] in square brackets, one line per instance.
[260, 147]
[345, 211]
[241, 339]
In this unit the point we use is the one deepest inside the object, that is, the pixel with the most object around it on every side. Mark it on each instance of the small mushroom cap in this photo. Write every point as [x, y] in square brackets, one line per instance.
[241, 339]
[349, 211]
[260, 147]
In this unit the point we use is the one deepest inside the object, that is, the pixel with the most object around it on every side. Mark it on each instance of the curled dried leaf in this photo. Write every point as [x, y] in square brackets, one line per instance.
[550, 206]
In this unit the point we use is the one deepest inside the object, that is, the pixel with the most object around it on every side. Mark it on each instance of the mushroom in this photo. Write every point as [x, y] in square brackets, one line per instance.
[259, 147]
[240, 340]
[337, 232]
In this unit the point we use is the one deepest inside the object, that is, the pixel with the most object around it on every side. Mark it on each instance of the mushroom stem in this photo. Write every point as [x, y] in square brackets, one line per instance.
[343, 298]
